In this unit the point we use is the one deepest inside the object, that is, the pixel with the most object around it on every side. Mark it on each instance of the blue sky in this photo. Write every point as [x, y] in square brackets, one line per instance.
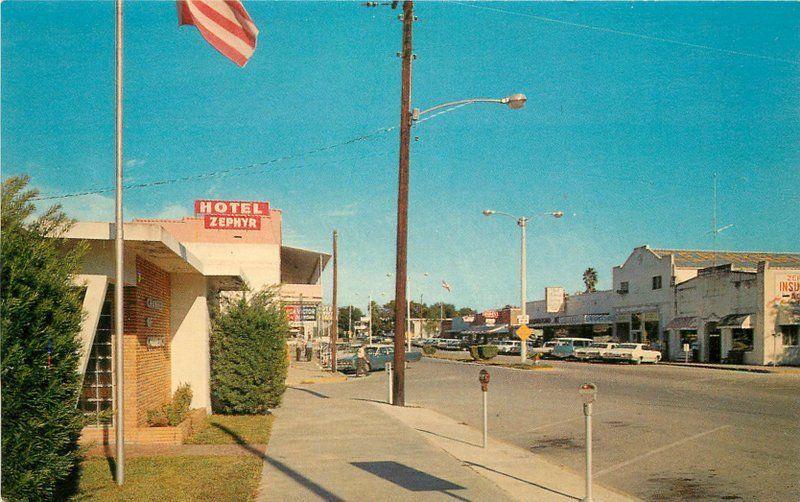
[621, 132]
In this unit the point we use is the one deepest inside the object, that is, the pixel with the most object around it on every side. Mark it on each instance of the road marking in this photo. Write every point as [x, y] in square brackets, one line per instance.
[580, 417]
[657, 450]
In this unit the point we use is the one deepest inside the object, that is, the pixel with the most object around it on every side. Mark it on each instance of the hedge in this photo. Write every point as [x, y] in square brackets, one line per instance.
[248, 354]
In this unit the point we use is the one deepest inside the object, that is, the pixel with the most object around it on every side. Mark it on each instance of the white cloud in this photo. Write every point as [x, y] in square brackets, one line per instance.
[343, 211]
[134, 162]
[94, 207]
[172, 211]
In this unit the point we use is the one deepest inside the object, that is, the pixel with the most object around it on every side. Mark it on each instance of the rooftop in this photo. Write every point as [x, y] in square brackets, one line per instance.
[747, 260]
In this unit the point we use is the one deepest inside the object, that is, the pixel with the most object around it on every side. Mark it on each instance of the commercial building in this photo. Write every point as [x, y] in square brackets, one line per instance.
[174, 271]
[727, 306]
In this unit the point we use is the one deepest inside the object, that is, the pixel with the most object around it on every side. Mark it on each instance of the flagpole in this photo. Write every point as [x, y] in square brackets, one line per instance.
[118, 243]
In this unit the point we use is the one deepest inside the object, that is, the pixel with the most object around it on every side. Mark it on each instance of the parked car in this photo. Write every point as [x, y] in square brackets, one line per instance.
[565, 347]
[545, 349]
[508, 346]
[377, 357]
[636, 353]
[451, 344]
[594, 352]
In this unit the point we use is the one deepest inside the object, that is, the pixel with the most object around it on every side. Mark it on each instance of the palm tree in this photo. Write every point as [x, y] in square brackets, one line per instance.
[590, 279]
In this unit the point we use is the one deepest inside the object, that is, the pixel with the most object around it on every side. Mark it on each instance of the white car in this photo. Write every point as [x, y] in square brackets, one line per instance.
[508, 346]
[636, 353]
[595, 351]
[545, 349]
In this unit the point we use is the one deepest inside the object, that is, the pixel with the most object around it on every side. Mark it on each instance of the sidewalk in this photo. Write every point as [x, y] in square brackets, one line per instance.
[783, 370]
[302, 372]
[517, 471]
[325, 448]
[328, 448]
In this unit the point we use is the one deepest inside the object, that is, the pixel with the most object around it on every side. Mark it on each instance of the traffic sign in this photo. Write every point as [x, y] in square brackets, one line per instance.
[523, 319]
[523, 332]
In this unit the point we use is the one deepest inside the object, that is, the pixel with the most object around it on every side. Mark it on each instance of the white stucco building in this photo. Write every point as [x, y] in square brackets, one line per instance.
[173, 269]
[728, 306]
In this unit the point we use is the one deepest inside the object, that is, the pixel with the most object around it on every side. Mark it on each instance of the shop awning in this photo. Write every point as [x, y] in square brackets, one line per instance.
[486, 330]
[735, 321]
[682, 323]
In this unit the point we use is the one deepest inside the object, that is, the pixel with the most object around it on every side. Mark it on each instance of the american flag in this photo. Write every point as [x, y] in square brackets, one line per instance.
[224, 24]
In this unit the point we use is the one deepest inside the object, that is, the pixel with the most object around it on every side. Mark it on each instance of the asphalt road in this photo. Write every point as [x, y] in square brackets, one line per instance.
[660, 432]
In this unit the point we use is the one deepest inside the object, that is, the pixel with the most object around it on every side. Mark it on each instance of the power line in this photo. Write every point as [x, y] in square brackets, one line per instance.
[224, 172]
[630, 34]
[232, 170]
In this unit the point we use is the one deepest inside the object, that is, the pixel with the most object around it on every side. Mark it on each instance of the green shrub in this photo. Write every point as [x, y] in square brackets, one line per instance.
[429, 350]
[483, 352]
[174, 412]
[248, 354]
[40, 319]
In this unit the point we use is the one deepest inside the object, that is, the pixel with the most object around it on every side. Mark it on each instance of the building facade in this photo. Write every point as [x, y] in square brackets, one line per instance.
[726, 306]
[174, 272]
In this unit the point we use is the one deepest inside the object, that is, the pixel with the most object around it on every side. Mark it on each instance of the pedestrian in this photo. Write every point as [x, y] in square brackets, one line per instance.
[361, 363]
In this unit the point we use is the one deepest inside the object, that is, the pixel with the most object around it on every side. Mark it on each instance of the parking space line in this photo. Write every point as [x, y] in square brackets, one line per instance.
[575, 419]
[657, 450]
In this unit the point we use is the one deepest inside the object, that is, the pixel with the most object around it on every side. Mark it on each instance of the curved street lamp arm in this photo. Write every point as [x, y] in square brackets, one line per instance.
[417, 115]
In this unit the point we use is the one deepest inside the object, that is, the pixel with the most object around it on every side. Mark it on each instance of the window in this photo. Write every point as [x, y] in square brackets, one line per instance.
[96, 400]
[742, 339]
[623, 287]
[790, 334]
[656, 282]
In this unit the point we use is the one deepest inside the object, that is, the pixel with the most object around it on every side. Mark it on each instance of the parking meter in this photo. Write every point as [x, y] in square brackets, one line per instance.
[588, 391]
[483, 378]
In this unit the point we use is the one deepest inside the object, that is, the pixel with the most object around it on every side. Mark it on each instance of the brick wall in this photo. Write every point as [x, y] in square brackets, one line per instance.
[147, 369]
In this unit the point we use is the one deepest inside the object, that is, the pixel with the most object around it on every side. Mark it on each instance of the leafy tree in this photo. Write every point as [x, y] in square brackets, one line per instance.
[344, 317]
[590, 279]
[248, 354]
[466, 311]
[40, 319]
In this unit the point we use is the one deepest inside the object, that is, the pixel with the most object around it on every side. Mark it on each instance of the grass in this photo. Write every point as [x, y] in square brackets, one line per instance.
[231, 429]
[173, 478]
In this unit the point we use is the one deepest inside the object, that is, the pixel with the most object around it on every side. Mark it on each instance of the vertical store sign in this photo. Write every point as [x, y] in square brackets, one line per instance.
[231, 214]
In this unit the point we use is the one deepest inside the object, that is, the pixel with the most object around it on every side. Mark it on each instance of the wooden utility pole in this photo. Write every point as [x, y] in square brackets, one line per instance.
[401, 276]
[335, 314]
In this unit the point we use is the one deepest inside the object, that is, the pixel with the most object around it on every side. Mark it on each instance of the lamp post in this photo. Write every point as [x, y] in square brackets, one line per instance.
[407, 116]
[522, 222]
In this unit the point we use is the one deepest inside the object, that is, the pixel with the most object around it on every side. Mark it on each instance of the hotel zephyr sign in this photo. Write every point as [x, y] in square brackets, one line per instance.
[231, 214]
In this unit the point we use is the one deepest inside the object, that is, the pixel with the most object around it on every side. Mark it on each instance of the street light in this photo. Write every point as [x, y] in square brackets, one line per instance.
[514, 101]
[522, 222]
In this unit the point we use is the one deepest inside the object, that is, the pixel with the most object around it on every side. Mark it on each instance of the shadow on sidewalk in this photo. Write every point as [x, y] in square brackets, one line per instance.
[409, 478]
[318, 490]
[473, 464]
[448, 438]
[309, 391]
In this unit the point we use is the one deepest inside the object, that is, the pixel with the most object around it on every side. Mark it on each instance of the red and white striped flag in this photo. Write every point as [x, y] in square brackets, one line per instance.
[224, 24]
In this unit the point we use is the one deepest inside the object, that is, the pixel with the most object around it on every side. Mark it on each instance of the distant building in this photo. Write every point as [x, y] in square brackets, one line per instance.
[668, 297]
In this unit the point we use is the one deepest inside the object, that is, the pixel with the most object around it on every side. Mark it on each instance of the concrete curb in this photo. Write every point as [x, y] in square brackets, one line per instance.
[475, 363]
[755, 369]
[325, 379]
[522, 475]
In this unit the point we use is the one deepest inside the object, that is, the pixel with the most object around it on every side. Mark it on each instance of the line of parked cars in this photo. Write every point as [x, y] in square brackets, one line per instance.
[376, 355]
[586, 349]
[581, 349]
